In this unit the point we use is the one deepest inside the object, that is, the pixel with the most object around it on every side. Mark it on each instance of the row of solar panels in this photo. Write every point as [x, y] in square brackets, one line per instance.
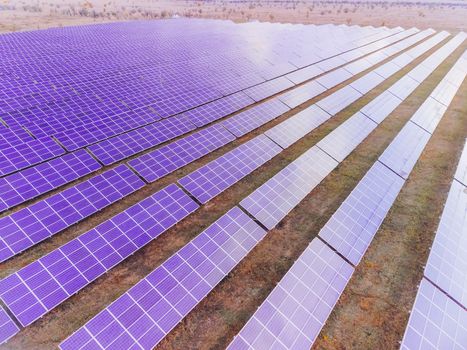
[47, 217]
[296, 309]
[91, 271]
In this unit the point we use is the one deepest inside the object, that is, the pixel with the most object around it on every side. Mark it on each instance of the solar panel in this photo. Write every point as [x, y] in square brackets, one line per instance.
[444, 92]
[8, 327]
[404, 151]
[403, 87]
[148, 311]
[39, 287]
[26, 154]
[156, 164]
[436, 322]
[367, 83]
[352, 227]
[387, 69]
[331, 63]
[268, 88]
[128, 144]
[429, 114]
[338, 100]
[297, 126]
[358, 66]
[380, 107]
[217, 109]
[31, 225]
[301, 94]
[215, 177]
[447, 263]
[334, 78]
[304, 74]
[30, 183]
[272, 201]
[343, 140]
[421, 72]
[293, 314]
[254, 117]
[461, 172]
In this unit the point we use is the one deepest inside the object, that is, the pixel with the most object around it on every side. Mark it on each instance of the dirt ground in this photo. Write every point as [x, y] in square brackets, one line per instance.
[27, 14]
[373, 310]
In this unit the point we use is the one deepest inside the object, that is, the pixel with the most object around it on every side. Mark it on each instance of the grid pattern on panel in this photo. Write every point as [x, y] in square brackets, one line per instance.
[301, 75]
[461, 172]
[429, 114]
[447, 264]
[146, 313]
[404, 151]
[8, 327]
[339, 100]
[436, 322]
[11, 137]
[29, 226]
[126, 145]
[268, 88]
[380, 107]
[217, 109]
[352, 227]
[329, 80]
[301, 94]
[254, 117]
[30, 183]
[215, 177]
[154, 165]
[27, 154]
[294, 128]
[272, 201]
[293, 314]
[39, 287]
[343, 140]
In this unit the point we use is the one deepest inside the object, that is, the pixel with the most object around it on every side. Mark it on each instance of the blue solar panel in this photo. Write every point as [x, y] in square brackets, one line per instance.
[39, 287]
[154, 165]
[31, 225]
[145, 314]
[8, 327]
[223, 172]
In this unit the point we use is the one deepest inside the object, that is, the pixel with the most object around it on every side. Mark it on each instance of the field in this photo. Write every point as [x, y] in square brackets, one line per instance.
[373, 310]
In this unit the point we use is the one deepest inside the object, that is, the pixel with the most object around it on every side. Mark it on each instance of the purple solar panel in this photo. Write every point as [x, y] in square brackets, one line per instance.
[31, 225]
[367, 83]
[217, 109]
[126, 145]
[268, 88]
[338, 100]
[223, 172]
[27, 154]
[254, 117]
[10, 137]
[436, 322]
[271, 202]
[447, 263]
[30, 183]
[304, 74]
[8, 327]
[293, 314]
[39, 287]
[352, 227]
[146, 313]
[334, 78]
[154, 165]
[301, 94]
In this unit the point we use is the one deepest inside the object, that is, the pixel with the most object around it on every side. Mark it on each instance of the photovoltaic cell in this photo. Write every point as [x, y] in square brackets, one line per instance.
[338, 100]
[27, 154]
[8, 328]
[293, 314]
[383, 105]
[154, 165]
[268, 88]
[217, 109]
[461, 172]
[404, 151]
[39, 287]
[147, 312]
[294, 128]
[126, 145]
[215, 177]
[301, 75]
[254, 117]
[447, 263]
[301, 94]
[436, 322]
[272, 201]
[429, 114]
[31, 225]
[32, 182]
[352, 227]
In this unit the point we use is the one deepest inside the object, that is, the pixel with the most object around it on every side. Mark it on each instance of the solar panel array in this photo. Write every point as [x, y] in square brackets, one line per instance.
[8, 327]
